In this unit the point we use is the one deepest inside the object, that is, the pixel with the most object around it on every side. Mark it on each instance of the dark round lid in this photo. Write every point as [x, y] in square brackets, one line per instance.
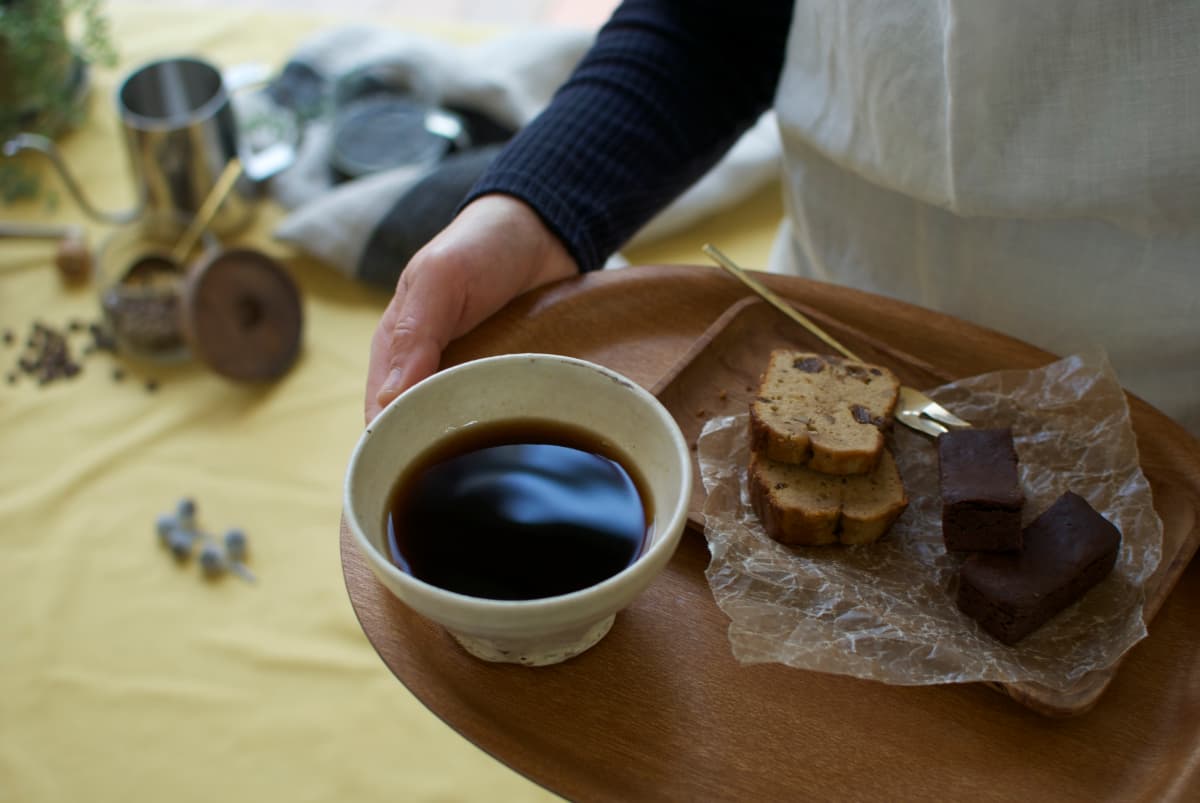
[242, 314]
[380, 133]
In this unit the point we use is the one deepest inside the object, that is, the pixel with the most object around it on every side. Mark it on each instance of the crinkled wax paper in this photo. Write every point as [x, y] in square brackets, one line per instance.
[886, 611]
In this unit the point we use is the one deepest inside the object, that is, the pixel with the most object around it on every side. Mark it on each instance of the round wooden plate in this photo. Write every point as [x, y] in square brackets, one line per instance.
[661, 710]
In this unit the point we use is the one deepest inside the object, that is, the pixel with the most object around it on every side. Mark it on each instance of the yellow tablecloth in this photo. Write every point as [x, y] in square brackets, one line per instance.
[124, 676]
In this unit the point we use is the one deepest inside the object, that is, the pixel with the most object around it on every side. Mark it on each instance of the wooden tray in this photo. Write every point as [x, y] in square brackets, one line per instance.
[660, 709]
[718, 375]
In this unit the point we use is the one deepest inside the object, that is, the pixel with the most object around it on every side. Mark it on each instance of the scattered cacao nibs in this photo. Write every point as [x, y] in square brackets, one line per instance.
[118, 374]
[151, 385]
[12, 378]
[49, 354]
[102, 338]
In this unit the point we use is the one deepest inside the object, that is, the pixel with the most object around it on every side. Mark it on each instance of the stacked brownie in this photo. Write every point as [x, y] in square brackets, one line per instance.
[1015, 580]
[981, 492]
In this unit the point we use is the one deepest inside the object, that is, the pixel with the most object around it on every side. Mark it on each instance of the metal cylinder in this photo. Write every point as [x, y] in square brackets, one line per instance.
[180, 129]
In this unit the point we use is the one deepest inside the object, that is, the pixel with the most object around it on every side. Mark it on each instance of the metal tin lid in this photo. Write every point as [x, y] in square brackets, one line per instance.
[243, 315]
[384, 132]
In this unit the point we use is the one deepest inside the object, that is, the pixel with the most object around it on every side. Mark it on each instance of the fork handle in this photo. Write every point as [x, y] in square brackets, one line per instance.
[777, 301]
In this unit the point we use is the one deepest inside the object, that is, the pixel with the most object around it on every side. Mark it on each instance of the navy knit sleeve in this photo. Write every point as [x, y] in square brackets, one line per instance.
[665, 91]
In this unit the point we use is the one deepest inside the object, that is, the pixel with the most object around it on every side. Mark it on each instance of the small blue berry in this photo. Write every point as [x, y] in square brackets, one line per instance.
[235, 544]
[185, 512]
[211, 560]
[164, 525]
[180, 543]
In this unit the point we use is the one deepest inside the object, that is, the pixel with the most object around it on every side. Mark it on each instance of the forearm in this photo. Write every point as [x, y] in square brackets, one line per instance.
[665, 91]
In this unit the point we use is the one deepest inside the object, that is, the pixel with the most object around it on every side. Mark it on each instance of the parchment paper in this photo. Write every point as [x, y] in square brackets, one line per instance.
[886, 611]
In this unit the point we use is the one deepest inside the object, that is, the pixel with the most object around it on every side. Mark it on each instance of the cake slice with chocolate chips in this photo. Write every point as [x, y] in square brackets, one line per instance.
[821, 411]
[802, 507]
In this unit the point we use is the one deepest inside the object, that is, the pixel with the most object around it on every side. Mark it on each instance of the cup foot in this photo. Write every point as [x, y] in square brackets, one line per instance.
[536, 652]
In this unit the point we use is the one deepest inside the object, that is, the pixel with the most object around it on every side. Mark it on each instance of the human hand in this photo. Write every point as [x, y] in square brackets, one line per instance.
[494, 250]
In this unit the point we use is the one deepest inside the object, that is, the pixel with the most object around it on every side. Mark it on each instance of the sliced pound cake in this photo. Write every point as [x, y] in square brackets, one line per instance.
[822, 411]
[802, 507]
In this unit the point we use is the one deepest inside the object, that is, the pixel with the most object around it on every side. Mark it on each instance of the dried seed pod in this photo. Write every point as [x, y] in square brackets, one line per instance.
[73, 260]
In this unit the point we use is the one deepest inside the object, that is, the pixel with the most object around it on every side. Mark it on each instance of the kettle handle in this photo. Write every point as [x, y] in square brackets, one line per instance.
[46, 147]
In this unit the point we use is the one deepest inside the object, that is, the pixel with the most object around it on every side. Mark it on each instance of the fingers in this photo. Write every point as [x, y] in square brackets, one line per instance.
[494, 250]
[422, 318]
[377, 367]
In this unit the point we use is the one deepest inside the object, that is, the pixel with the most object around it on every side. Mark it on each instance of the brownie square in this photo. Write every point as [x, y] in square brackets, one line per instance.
[1068, 549]
[981, 493]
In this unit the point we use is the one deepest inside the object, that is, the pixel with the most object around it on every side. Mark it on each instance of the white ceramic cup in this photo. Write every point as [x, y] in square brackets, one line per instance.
[543, 386]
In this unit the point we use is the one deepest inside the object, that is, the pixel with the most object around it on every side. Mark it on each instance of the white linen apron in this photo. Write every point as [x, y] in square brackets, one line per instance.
[1032, 166]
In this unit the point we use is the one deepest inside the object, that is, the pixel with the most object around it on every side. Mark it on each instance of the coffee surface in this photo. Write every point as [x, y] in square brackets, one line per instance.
[519, 509]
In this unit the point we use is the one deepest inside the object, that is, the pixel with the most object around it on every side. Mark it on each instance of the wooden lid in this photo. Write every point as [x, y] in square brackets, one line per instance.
[242, 315]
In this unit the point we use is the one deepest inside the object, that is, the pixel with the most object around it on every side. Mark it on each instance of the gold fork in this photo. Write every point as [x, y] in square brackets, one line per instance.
[913, 408]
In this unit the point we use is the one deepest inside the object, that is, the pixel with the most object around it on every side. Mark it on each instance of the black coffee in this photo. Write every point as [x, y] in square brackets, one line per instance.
[519, 509]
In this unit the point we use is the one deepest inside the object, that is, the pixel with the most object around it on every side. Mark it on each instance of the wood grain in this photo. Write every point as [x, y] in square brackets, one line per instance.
[660, 709]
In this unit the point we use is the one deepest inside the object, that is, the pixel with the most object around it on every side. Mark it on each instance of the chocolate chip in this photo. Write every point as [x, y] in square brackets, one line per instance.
[809, 365]
[863, 416]
[856, 372]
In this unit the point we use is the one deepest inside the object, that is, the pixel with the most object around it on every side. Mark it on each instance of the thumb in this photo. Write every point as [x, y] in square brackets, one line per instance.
[428, 309]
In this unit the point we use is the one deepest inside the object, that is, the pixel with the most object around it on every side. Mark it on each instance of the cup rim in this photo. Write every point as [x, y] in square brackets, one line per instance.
[675, 522]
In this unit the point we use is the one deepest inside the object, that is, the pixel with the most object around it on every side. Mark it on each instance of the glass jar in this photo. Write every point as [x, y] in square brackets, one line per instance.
[141, 287]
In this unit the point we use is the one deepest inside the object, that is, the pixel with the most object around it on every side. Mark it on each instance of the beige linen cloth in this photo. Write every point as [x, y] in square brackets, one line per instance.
[1029, 166]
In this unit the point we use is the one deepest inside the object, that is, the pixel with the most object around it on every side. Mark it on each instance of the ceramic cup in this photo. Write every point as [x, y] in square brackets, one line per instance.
[558, 389]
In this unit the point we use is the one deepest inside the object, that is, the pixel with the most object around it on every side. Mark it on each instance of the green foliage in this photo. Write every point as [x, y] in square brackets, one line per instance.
[45, 48]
